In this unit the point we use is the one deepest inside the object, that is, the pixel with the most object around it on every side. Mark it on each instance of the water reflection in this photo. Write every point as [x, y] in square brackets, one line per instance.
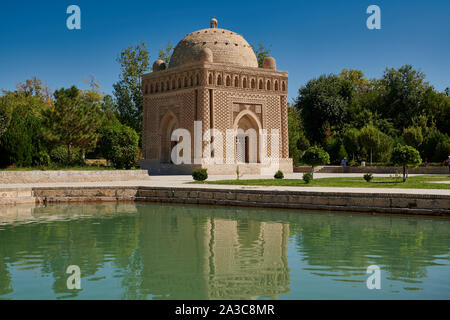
[151, 251]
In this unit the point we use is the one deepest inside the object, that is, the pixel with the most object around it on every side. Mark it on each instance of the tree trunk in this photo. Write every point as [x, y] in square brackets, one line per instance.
[69, 153]
[370, 156]
[404, 173]
[312, 172]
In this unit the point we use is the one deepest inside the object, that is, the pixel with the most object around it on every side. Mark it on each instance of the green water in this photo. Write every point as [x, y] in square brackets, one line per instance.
[153, 251]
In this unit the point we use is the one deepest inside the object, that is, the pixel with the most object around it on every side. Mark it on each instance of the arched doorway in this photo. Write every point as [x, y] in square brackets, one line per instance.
[247, 138]
[168, 124]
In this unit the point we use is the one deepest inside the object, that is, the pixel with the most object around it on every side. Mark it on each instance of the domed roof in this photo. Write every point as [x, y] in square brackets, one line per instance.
[227, 47]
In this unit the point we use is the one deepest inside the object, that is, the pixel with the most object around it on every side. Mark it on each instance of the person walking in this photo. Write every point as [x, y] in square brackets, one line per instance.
[343, 164]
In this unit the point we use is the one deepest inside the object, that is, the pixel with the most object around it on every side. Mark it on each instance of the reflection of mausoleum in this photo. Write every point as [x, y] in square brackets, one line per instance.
[213, 77]
[214, 258]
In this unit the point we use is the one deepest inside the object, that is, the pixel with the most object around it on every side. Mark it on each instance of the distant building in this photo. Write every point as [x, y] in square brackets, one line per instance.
[213, 77]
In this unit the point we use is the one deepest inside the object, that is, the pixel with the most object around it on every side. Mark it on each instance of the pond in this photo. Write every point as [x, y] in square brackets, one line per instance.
[165, 251]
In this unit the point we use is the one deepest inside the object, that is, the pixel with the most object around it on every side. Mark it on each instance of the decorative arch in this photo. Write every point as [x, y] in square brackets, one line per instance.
[236, 81]
[244, 83]
[246, 120]
[261, 84]
[276, 85]
[228, 81]
[168, 124]
[219, 80]
[253, 84]
[210, 79]
[269, 85]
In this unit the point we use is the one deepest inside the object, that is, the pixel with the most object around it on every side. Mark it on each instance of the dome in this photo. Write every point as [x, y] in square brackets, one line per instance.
[226, 46]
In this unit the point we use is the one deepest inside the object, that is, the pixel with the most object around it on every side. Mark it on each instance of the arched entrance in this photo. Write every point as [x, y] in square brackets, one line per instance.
[168, 124]
[247, 138]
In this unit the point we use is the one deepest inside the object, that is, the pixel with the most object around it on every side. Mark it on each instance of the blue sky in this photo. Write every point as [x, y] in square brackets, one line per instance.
[307, 38]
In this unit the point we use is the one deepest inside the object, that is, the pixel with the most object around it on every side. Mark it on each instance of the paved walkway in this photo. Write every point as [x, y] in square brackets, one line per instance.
[180, 182]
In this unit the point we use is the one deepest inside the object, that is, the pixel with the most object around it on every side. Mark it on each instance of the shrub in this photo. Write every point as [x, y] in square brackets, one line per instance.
[59, 156]
[200, 174]
[368, 177]
[307, 177]
[119, 144]
[279, 175]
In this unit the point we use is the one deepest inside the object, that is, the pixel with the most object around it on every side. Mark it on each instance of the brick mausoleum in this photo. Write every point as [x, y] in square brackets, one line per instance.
[213, 77]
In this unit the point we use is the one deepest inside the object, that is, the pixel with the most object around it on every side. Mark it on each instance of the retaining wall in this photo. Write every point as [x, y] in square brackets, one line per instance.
[335, 201]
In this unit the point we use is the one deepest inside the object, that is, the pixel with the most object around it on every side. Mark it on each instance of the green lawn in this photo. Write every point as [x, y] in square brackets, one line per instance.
[416, 182]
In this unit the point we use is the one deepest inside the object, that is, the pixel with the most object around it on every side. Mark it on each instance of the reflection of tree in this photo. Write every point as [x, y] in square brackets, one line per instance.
[402, 246]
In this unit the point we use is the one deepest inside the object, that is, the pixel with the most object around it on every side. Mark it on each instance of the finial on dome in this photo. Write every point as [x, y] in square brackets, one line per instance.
[213, 23]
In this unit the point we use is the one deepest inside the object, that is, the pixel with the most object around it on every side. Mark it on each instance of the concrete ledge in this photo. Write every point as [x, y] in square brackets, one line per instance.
[391, 203]
[19, 177]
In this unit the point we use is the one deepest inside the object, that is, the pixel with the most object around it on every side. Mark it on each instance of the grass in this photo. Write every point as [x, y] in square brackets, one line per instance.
[415, 182]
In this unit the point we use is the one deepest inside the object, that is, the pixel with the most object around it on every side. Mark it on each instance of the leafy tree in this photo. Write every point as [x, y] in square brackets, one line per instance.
[402, 93]
[413, 136]
[134, 62]
[4, 121]
[406, 156]
[336, 150]
[166, 54]
[430, 145]
[356, 78]
[74, 120]
[369, 138]
[442, 150]
[261, 52]
[321, 104]
[315, 156]
[294, 134]
[119, 144]
[350, 141]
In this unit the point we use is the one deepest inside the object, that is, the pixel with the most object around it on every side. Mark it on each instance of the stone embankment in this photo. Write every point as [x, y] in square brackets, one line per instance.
[390, 203]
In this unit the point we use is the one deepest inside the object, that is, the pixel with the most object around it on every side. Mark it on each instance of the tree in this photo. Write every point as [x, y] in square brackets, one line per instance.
[134, 62]
[166, 54]
[4, 122]
[336, 149]
[294, 134]
[406, 156]
[321, 104]
[369, 138]
[119, 144]
[413, 136]
[261, 52]
[316, 156]
[430, 145]
[350, 140]
[402, 90]
[74, 120]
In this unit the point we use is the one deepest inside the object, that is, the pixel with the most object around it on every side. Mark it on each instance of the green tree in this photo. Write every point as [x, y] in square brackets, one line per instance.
[294, 134]
[336, 149]
[406, 156]
[315, 156]
[413, 136]
[134, 62]
[261, 52]
[166, 54]
[321, 104]
[402, 94]
[74, 120]
[4, 122]
[430, 145]
[351, 142]
[119, 144]
[369, 138]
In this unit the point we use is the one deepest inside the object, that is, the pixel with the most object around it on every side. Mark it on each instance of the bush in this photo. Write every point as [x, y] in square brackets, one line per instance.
[307, 177]
[279, 175]
[119, 144]
[59, 156]
[368, 177]
[200, 174]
